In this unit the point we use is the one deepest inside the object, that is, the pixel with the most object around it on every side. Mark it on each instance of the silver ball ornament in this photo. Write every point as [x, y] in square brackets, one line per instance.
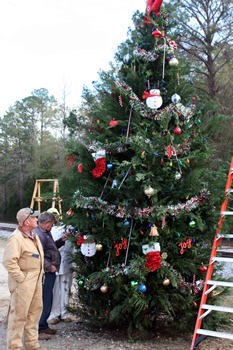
[177, 175]
[175, 98]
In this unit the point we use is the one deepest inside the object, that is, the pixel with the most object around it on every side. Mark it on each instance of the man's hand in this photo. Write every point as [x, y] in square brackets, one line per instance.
[53, 268]
[65, 237]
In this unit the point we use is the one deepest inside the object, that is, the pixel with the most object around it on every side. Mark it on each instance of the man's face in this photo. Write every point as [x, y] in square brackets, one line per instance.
[32, 222]
[48, 225]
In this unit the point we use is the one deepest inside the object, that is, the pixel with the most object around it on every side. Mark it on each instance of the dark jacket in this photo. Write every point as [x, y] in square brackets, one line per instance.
[51, 253]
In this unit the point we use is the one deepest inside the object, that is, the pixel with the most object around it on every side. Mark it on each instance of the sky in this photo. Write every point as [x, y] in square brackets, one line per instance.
[57, 44]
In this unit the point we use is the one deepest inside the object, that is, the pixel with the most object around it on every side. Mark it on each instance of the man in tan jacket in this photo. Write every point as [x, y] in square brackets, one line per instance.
[23, 259]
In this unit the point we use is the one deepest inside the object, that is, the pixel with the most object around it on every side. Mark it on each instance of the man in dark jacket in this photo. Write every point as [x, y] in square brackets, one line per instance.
[52, 260]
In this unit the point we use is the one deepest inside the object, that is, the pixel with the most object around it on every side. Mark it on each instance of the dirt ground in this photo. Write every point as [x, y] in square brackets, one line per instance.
[77, 336]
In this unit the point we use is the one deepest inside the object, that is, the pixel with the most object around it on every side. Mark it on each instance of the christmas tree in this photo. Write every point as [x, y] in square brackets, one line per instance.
[143, 205]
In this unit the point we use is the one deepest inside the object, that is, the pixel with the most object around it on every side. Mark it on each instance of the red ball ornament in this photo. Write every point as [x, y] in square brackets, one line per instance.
[203, 269]
[177, 131]
[194, 98]
[80, 168]
[156, 34]
[113, 123]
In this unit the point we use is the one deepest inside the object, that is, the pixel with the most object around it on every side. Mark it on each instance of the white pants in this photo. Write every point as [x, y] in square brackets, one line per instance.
[61, 296]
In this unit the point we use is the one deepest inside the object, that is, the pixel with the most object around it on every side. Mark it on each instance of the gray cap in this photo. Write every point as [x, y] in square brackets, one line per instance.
[25, 213]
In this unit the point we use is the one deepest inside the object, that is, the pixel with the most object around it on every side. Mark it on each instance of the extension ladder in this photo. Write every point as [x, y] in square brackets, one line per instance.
[210, 284]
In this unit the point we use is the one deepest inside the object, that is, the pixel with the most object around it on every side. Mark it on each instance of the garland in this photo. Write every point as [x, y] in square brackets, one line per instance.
[95, 203]
[120, 146]
[145, 112]
[151, 56]
[121, 269]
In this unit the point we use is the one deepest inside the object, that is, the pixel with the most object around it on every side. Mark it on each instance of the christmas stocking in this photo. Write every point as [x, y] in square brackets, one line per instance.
[100, 167]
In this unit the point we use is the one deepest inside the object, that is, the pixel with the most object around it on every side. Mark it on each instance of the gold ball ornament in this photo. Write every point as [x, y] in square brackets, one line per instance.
[173, 62]
[99, 247]
[104, 289]
[166, 282]
[149, 191]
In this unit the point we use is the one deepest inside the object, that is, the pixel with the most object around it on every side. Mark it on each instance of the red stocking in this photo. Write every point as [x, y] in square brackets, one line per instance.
[100, 167]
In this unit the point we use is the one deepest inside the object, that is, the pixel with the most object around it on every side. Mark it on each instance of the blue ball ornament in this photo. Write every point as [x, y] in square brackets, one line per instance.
[109, 166]
[126, 222]
[142, 288]
[127, 58]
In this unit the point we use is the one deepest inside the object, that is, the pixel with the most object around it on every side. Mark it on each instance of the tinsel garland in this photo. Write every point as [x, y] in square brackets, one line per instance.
[95, 203]
[121, 269]
[151, 56]
[146, 112]
[121, 146]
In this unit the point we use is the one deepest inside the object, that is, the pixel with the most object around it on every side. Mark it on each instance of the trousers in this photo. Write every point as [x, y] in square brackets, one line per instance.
[61, 296]
[24, 314]
[47, 293]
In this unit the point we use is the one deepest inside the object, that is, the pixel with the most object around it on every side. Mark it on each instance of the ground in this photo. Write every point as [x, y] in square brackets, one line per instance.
[77, 336]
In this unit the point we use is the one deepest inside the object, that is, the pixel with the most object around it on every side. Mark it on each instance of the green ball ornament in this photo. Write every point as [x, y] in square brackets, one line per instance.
[80, 283]
[192, 224]
[133, 283]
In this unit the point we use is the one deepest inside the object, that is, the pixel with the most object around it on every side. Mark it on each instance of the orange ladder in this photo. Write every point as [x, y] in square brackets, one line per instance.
[208, 282]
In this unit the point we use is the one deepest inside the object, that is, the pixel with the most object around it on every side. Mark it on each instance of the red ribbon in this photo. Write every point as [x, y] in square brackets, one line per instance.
[146, 94]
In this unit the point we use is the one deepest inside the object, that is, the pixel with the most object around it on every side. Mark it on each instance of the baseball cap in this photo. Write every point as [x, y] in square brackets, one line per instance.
[53, 210]
[25, 213]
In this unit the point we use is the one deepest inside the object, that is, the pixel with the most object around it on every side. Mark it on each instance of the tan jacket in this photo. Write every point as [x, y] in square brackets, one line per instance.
[23, 259]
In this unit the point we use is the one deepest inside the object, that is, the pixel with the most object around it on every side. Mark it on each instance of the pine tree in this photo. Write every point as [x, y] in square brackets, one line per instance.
[143, 206]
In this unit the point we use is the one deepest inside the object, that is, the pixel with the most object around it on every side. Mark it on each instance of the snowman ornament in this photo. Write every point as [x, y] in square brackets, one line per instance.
[153, 99]
[88, 248]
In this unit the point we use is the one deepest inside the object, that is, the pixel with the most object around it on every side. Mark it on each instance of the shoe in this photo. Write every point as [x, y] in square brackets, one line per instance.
[53, 321]
[39, 349]
[49, 331]
[67, 319]
[43, 336]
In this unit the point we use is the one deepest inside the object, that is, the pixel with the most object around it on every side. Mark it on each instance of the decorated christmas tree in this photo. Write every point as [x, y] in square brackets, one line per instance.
[139, 189]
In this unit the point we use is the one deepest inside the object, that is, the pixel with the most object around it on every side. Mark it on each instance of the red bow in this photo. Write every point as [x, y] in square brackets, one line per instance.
[153, 260]
[80, 240]
[146, 94]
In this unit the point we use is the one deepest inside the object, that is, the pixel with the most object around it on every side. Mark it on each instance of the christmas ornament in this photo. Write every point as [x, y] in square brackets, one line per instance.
[99, 247]
[203, 269]
[126, 222]
[104, 289]
[177, 175]
[166, 281]
[87, 248]
[142, 288]
[154, 231]
[192, 224]
[173, 62]
[69, 212]
[133, 283]
[177, 130]
[149, 191]
[109, 166]
[127, 58]
[120, 246]
[80, 168]
[175, 98]
[70, 160]
[80, 283]
[114, 184]
[156, 34]
[153, 98]
[184, 245]
[164, 255]
[99, 158]
[152, 253]
[113, 123]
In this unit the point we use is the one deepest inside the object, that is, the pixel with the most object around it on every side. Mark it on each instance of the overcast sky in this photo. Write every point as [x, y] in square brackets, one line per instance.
[52, 43]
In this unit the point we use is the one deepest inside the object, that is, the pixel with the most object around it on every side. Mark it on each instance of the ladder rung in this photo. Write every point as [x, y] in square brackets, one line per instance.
[220, 283]
[215, 334]
[228, 191]
[217, 308]
[226, 213]
[227, 236]
[217, 258]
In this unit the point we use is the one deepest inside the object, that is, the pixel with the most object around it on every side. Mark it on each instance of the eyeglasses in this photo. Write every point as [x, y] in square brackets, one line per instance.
[30, 213]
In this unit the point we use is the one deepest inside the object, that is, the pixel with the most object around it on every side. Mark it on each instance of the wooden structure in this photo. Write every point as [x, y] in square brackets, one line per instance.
[36, 196]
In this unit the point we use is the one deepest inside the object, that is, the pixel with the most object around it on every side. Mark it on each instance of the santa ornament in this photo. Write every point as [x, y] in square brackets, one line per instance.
[153, 98]
[99, 158]
[153, 257]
